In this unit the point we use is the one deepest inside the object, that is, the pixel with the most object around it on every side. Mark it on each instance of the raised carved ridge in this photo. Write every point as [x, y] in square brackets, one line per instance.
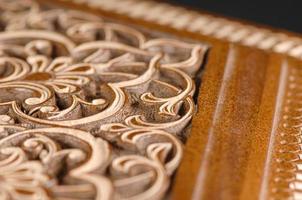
[89, 109]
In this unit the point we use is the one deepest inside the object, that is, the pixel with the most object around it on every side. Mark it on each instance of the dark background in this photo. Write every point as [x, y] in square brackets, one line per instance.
[285, 14]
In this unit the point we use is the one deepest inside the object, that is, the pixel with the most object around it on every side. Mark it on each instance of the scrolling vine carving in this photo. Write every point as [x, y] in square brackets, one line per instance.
[89, 109]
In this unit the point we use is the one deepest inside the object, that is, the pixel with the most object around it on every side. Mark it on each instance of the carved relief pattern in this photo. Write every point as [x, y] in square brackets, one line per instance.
[89, 109]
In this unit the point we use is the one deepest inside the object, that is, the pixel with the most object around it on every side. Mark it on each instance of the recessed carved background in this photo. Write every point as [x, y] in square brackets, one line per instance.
[89, 109]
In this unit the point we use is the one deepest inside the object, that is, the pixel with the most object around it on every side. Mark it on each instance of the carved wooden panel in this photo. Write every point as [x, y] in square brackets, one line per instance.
[138, 99]
[90, 108]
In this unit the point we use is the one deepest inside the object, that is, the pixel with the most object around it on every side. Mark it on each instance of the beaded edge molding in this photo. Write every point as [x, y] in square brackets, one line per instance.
[286, 174]
[195, 22]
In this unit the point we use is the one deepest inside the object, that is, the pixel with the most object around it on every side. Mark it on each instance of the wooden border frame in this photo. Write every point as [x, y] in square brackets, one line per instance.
[191, 21]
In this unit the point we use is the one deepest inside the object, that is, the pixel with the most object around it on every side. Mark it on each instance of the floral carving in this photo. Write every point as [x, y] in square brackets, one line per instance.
[89, 109]
[33, 161]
